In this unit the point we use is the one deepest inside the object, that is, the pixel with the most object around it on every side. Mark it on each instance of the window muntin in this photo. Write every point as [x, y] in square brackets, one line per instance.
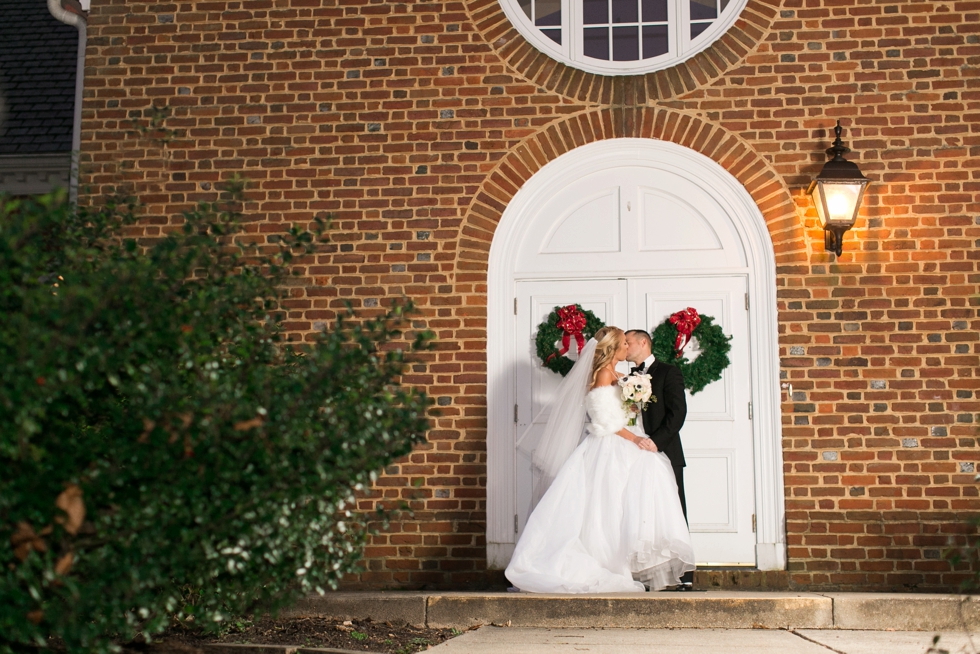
[622, 37]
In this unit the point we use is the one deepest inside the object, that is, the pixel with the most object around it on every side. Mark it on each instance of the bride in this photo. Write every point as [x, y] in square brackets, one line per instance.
[607, 517]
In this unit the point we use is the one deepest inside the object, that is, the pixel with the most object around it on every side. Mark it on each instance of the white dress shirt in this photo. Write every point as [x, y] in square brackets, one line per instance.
[623, 367]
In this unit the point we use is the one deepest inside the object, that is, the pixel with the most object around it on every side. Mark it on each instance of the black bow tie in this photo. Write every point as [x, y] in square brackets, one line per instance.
[638, 368]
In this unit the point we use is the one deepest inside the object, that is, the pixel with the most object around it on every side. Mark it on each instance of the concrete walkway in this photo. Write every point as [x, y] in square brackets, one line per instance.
[519, 640]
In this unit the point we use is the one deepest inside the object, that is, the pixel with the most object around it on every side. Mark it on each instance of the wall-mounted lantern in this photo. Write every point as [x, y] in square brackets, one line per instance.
[837, 191]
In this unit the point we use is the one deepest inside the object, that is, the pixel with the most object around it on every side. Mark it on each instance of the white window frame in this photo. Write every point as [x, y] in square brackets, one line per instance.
[680, 46]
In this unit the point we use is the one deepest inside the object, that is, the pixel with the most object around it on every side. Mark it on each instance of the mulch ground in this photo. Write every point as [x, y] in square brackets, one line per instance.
[357, 635]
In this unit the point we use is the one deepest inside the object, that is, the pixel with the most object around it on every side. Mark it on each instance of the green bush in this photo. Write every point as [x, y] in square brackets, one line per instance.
[164, 451]
[964, 552]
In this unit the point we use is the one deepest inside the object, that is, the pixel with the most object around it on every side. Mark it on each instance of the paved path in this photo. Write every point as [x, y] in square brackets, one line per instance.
[517, 640]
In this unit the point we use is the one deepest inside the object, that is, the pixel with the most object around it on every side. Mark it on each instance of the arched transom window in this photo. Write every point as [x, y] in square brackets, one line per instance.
[622, 37]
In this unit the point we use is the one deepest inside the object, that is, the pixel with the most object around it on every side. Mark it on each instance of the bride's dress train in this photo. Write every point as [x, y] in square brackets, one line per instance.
[611, 520]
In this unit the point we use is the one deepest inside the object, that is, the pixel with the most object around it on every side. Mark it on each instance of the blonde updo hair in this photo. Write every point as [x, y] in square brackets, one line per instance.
[609, 341]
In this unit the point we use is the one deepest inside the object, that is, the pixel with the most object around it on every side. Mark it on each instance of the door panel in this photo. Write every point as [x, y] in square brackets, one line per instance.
[630, 219]
[717, 433]
[535, 384]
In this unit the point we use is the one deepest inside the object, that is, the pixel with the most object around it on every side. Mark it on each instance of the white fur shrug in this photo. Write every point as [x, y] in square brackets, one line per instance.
[606, 414]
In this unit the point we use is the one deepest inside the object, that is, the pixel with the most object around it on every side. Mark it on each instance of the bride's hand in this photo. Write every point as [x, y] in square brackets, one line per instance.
[646, 444]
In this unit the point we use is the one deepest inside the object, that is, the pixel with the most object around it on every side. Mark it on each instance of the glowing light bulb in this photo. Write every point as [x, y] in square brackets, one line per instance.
[838, 206]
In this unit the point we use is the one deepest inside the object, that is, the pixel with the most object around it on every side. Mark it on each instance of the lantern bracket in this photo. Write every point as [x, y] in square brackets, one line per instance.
[833, 238]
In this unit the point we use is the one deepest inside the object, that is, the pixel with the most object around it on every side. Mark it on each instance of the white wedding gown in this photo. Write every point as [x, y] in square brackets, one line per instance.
[610, 522]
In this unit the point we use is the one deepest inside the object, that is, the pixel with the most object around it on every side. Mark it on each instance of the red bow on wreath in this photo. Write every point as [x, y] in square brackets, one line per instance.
[686, 322]
[571, 321]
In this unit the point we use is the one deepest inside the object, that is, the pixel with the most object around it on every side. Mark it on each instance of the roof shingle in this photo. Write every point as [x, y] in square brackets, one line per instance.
[38, 56]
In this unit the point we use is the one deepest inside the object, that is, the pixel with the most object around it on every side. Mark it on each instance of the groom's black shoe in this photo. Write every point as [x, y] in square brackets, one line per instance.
[687, 588]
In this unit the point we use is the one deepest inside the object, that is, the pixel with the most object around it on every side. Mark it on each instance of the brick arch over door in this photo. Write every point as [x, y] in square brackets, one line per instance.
[766, 187]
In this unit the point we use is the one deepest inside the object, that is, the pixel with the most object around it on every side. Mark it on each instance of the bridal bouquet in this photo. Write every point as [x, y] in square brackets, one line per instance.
[636, 394]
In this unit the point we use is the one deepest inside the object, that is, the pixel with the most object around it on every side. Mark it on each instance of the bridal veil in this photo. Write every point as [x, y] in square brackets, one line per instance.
[565, 426]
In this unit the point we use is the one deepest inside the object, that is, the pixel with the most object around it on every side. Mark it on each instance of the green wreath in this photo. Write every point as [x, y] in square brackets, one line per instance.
[550, 333]
[712, 360]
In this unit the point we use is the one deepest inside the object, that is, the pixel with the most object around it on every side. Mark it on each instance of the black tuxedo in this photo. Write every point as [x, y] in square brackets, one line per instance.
[662, 422]
[663, 419]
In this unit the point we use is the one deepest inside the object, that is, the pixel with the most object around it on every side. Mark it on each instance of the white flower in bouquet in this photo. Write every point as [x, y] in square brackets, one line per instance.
[636, 392]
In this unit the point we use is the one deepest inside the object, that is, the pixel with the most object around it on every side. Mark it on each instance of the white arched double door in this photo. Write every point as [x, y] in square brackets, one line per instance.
[635, 230]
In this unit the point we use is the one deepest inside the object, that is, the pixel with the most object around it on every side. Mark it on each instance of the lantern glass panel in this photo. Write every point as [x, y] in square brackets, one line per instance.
[838, 202]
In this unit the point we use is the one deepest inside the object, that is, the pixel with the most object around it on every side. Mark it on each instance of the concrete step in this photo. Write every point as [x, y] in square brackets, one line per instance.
[711, 609]
[741, 579]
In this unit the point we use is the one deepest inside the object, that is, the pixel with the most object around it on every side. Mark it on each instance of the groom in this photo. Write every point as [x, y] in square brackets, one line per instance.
[663, 419]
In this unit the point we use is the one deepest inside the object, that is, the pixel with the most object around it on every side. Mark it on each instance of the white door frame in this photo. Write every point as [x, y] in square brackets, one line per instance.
[750, 226]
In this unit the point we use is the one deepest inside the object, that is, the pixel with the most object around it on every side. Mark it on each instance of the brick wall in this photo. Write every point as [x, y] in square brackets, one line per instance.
[414, 124]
